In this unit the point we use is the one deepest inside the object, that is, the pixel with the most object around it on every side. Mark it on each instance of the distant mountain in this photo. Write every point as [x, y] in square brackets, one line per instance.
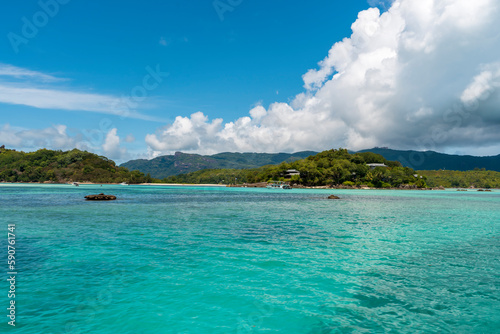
[431, 160]
[179, 163]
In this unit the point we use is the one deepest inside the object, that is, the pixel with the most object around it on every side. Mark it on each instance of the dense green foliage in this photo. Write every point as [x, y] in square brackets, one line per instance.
[213, 176]
[430, 160]
[180, 163]
[459, 179]
[331, 167]
[58, 166]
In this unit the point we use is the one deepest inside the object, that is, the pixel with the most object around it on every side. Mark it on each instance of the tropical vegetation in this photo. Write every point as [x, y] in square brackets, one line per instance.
[328, 168]
[477, 178]
[181, 163]
[333, 167]
[63, 166]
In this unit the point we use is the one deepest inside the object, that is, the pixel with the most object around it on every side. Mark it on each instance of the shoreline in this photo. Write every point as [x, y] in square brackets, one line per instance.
[118, 184]
[243, 186]
[182, 184]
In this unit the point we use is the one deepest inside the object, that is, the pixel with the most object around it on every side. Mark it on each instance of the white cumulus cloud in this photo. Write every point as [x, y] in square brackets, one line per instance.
[111, 146]
[58, 137]
[54, 137]
[422, 75]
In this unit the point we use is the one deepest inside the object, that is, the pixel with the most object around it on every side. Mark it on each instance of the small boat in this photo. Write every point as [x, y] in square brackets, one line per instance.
[76, 184]
[124, 184]
[278, 185]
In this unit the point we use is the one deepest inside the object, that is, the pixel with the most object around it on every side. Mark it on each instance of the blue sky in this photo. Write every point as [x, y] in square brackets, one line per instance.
[240, 73]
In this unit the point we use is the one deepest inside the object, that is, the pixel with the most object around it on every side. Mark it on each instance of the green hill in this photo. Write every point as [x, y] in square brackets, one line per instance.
[61, 167]
[431, 160]
[181, 163]
[333, 167]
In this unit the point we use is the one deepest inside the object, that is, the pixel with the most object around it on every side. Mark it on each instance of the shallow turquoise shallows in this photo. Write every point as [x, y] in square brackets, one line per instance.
[233, 260]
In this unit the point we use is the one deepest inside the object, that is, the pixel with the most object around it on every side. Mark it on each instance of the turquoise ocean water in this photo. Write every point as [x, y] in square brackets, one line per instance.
[233, 260]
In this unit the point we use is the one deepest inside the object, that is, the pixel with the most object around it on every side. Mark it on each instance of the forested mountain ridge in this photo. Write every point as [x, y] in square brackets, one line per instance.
[180, 163]
[430, 160]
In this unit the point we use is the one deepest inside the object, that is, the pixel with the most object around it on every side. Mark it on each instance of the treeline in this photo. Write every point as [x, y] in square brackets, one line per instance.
[213, 176]
[61, 167]
[478, 178]
[333, 167]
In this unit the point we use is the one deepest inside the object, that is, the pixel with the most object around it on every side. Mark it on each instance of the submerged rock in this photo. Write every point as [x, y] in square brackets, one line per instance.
[100, 197]
[333, 197]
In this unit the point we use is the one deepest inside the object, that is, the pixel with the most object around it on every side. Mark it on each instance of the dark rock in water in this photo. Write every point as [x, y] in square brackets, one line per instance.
[333, 197]
[100, 197]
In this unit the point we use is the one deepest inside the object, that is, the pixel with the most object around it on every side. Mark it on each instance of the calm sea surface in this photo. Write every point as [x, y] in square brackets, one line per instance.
[232, 260]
